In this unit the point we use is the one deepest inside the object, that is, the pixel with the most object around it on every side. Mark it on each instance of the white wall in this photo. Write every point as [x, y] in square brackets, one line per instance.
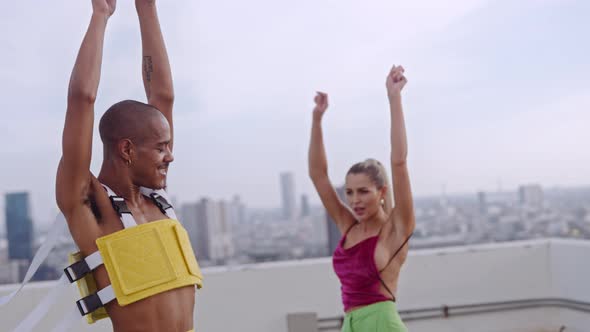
[259, 297]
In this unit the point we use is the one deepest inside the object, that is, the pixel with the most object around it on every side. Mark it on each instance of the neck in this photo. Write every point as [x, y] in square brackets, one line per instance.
[117, 177]
[374, 222]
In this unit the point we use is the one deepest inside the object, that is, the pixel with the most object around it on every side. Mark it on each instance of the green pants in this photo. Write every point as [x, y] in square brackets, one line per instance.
[377, 317]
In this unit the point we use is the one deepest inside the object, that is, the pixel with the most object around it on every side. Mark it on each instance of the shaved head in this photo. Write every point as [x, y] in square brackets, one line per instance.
[128, 119]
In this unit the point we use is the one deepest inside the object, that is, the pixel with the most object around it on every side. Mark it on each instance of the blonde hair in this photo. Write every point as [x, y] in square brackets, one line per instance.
[377, 173]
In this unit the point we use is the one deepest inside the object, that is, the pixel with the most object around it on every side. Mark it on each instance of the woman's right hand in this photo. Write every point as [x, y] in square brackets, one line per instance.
[106, 7]
[395, 81]
[321, 105]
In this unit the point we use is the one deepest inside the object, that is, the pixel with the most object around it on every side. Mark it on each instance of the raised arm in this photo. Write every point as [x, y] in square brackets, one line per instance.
[73, 175]
[318, 168]
[404, 207]
[157, 76]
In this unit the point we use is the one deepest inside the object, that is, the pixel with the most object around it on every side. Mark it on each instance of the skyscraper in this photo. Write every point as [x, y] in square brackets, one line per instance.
[288, 195]
[19, 226]
[531, 195]
[238, 211]
[206, 211]
[482, 202]
[208, 224]
[305, 210]
[334, 234]
[223, 237]
[188, 217]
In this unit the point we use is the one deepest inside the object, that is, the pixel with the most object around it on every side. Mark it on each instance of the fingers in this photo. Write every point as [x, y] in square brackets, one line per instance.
[321, 98]
[402, 82]
[396, 77]
[396, 73]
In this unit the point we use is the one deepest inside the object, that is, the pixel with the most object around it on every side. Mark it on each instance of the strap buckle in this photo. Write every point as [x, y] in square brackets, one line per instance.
[160, 202]
[119, 205]
[89, 304]
[77, 270]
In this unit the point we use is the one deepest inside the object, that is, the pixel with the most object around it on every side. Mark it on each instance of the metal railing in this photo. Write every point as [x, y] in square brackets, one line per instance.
[446, 311]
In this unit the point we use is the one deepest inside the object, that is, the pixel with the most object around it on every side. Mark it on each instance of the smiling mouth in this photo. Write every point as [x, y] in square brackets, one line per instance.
[359, 210]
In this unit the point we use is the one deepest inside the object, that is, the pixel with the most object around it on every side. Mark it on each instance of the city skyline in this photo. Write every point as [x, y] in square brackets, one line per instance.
[480, 114]
[229, 233]
[47, 220]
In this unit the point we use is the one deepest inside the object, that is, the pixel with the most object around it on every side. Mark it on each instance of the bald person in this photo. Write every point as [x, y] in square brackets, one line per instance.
[137, 141]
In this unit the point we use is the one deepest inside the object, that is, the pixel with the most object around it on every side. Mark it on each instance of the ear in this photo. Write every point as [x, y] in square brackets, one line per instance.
[383, 191]
[126, 149]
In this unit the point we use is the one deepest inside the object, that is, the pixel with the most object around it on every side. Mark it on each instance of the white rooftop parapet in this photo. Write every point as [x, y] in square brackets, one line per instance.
[259, 297]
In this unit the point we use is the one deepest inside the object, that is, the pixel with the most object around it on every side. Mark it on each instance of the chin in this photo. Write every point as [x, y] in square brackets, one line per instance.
[155, 184]
[361, 218]
[160, 185]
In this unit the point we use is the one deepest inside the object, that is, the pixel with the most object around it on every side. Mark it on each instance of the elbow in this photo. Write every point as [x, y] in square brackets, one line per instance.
[398, 158]
[81, 95]
[398, 162]
[163, 97]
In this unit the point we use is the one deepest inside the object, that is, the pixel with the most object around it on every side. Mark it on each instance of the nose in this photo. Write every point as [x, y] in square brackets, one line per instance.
[169, 156]
[355, 198]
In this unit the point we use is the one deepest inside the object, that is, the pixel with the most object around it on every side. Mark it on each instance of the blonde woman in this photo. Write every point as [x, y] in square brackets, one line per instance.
[373, 248]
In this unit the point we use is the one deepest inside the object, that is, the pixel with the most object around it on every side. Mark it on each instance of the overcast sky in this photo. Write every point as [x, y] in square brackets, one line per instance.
[498, 91]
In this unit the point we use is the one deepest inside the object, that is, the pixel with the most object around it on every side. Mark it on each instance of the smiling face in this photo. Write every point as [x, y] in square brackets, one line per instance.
[152, 155]
[363, 196]
[137, 137]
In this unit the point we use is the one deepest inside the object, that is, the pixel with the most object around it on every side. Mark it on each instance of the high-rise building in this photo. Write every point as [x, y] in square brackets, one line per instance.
[531, 195]
[288, 195]
[223, 237]
[334, 234]
[305, 209]
[19, 226]
[206, 215]
[188, 218]
[238, 211]
[208, 224]
[482, 202]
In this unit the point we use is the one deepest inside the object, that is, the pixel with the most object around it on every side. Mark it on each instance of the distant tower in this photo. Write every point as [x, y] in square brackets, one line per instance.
[224, 238]
[19, 226]
[288, 195]
[305, 210]
[238, 211]
[482, 202]
[189, 219]
[206, 212]
[531, 195]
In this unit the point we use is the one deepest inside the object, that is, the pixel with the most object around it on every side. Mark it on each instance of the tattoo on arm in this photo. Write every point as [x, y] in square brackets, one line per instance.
[148, 69]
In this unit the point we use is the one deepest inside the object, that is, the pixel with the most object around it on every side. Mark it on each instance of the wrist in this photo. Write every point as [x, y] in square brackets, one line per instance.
[145, 4]
[101, 15]
[394, 95]
[317, 119]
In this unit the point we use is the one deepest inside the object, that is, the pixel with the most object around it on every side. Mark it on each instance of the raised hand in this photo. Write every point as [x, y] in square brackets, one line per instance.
[395, 81]
[106, 7]
[321, 104]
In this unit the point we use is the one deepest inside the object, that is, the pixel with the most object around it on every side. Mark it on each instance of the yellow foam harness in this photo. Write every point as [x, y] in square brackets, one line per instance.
[87, 286]
[142, 261]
